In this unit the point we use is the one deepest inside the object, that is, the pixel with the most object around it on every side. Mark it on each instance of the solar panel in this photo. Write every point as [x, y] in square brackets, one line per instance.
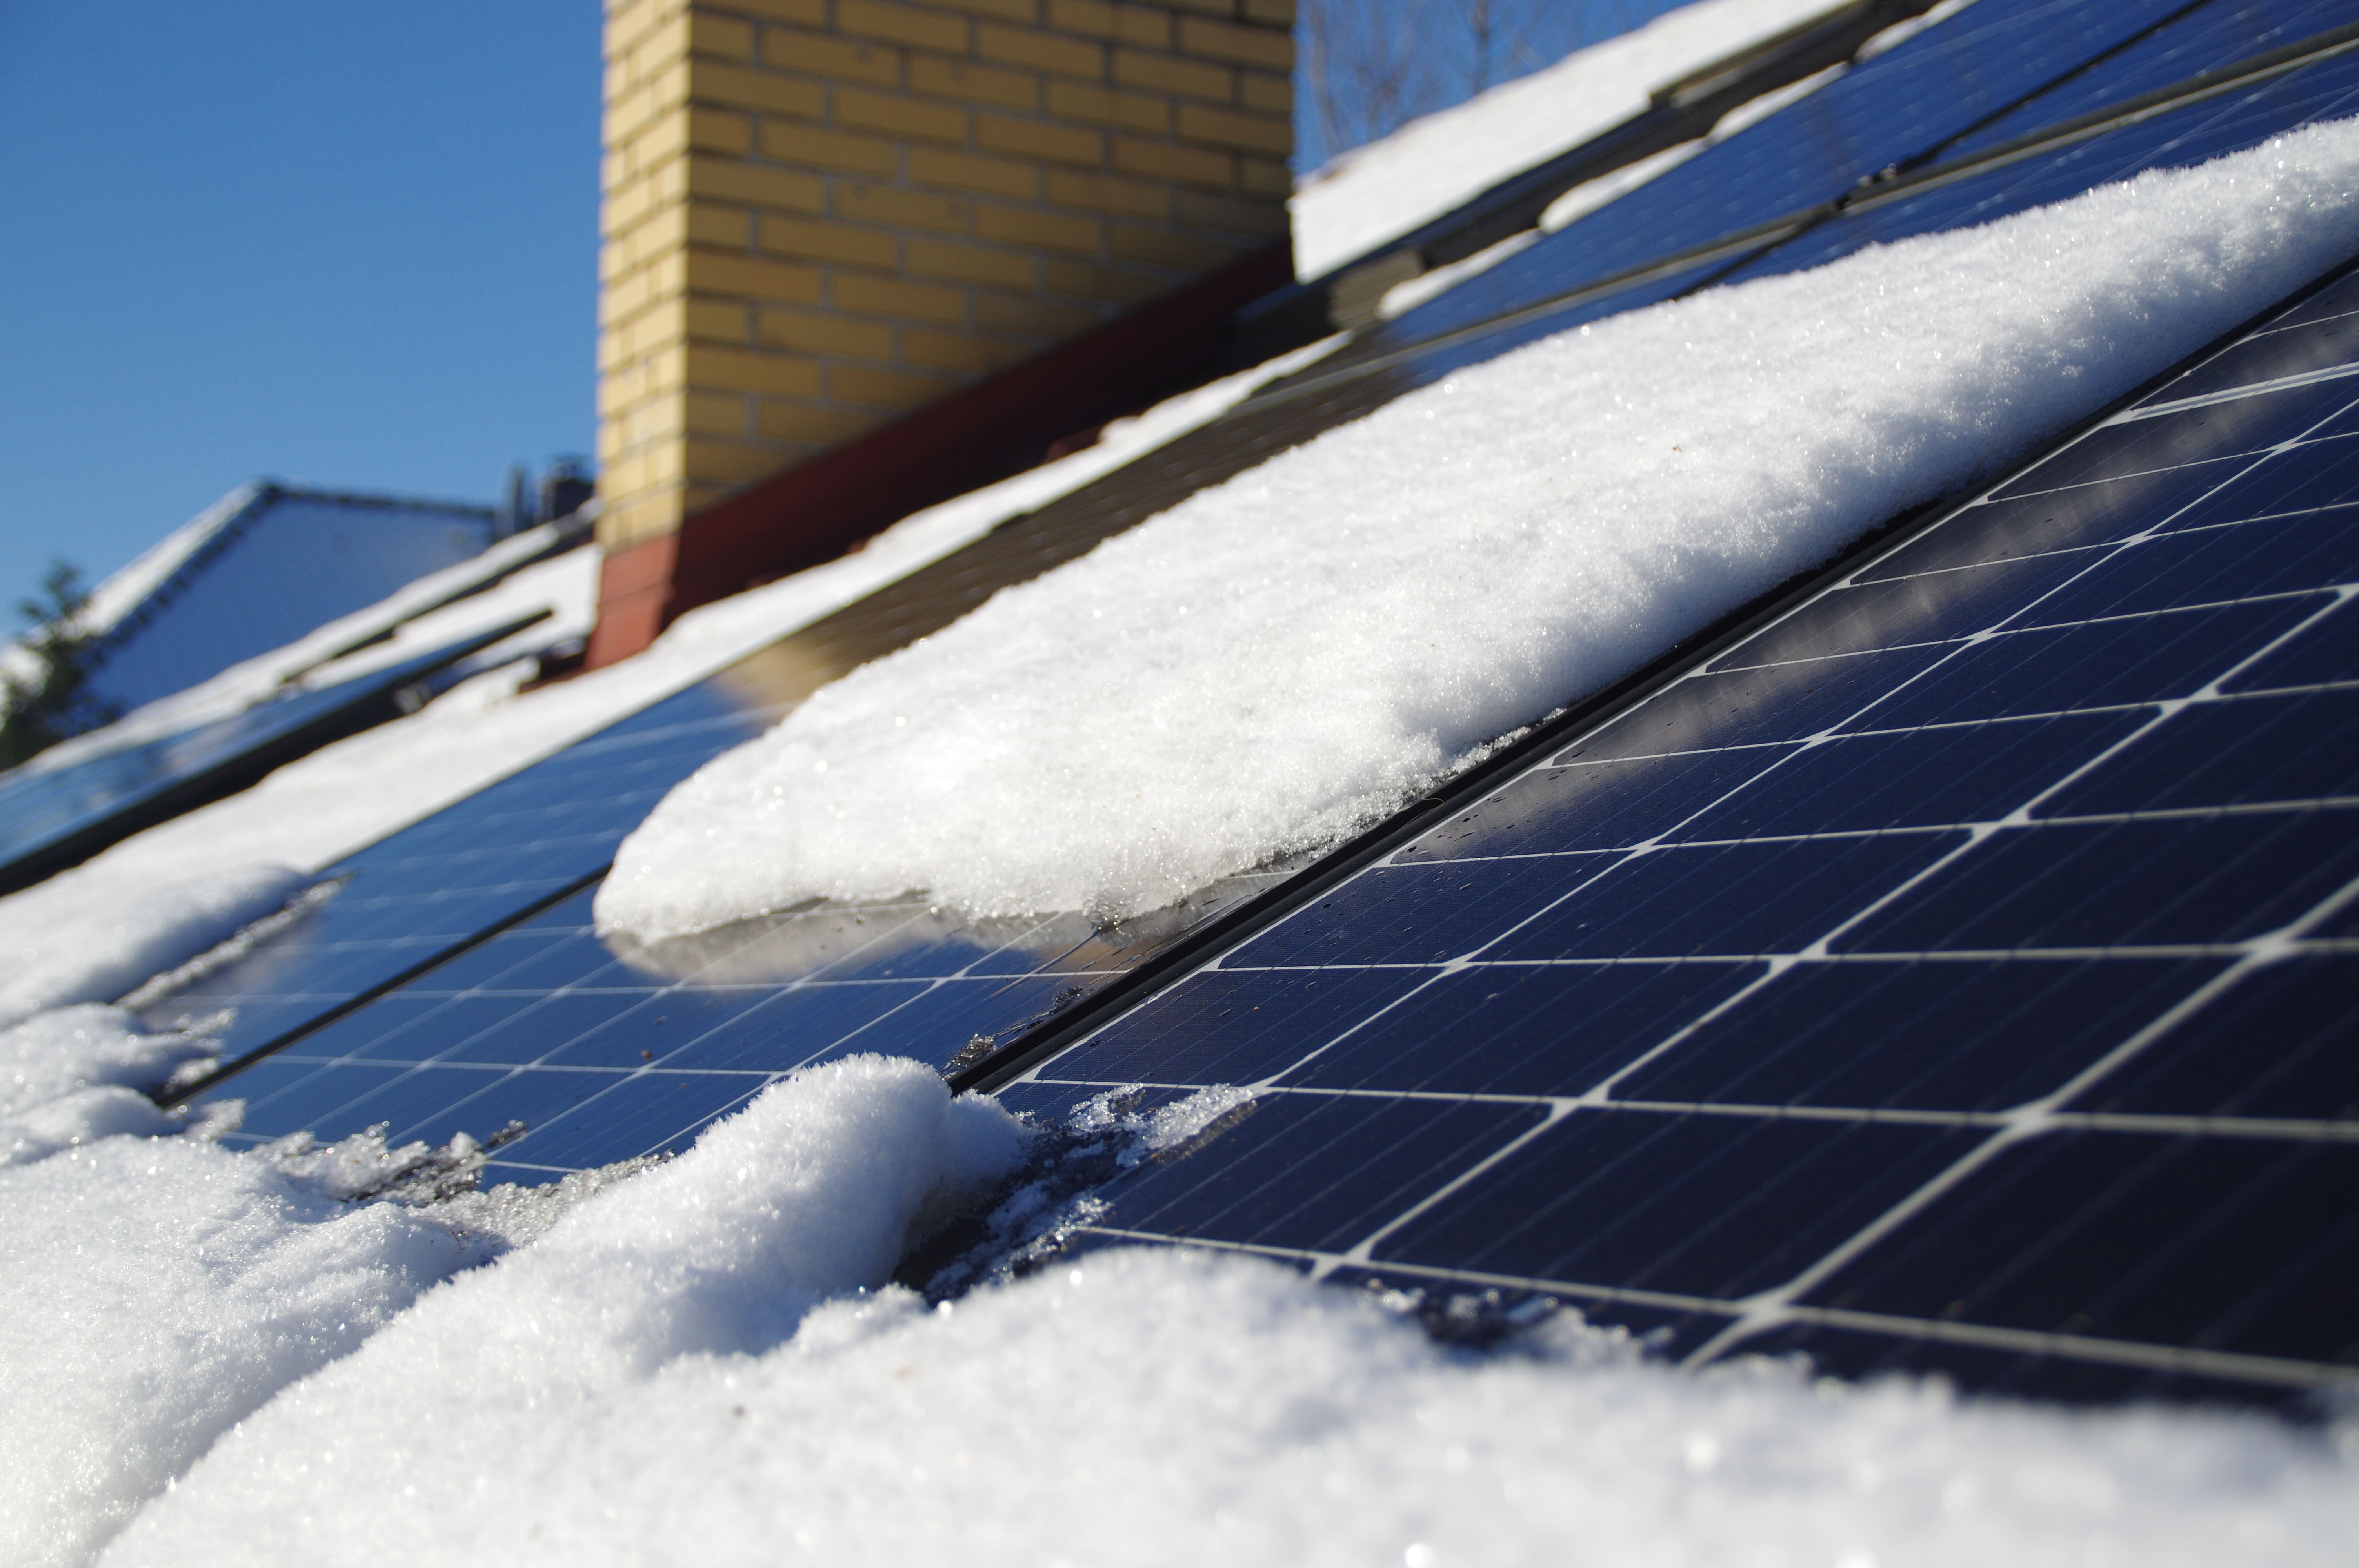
[51, 817]
[1887, 111]
[1948, 975]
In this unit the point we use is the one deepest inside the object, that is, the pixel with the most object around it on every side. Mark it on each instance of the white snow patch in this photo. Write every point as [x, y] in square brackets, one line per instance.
[809, 1194]
[94, 933]
[1360, 199]
[1284, 657]
[80, 1074]
[1148, 1408]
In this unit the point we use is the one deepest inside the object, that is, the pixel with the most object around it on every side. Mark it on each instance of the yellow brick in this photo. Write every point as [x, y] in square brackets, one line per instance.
[830, 150]
[891, 297]
[1069, 57]
[815, 423]
[963, 171]
[723, 226]
[1124, 24]
[1036, 317]
[737, 371]
[827, 241]
[1265, 177]
[731, 181]
[1209, 8]
[1249, 133]
[1168, 74]
[974, 83]
[841, 59]
[715, 413]
[715, 320]
[1012, 227]
[814, 12]
[1162, 249]
[959, 352]
[901, 209]
[741, 87]
[823, 333]
[1098, 194]
[1063, 144]
[907, 116]
[661, 138]
[729, 461]
[884, 388]
[1164, 160]
[719, 272]
[720, 131]
[1257, 89]
[1195, 209]
[1276, 13]
[1104, 106]
[1006, 10]
[723, 37]
[1247, 46]
[628, 519]
[1102, 282]
[970, 263]
[900, 25]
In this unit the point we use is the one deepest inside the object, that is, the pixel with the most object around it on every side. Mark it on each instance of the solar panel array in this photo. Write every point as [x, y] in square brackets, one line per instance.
[1842, 864]
[1956, 973]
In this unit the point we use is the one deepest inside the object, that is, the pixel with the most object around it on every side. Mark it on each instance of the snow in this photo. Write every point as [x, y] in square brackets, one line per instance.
[94, 933]
[1284, 657]
[1360, 199]
[156, 900]
[704, 1365]
[155, 1288]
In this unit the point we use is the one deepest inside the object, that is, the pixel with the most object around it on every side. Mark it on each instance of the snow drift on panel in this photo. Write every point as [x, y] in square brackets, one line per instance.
[94, 933]
[482, 1389]
[1360, 199]
[1286, 656]
[1150, 1408]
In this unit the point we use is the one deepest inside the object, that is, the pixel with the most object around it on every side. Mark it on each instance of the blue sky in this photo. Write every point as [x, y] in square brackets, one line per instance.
[351, 244]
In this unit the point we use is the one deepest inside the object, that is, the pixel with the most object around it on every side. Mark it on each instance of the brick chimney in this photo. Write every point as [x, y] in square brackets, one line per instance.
[822, 215]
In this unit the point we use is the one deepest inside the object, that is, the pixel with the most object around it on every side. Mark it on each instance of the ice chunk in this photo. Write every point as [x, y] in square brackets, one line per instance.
[1288, 655]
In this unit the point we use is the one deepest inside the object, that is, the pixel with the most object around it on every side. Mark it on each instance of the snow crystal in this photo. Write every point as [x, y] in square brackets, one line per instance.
[1360, 199]
[1286, 656]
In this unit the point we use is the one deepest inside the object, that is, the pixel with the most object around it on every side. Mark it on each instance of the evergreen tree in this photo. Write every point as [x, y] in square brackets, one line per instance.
[39, 709]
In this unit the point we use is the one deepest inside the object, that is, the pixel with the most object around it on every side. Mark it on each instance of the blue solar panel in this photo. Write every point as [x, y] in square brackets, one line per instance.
[602, 1059]
[1947, 974]
[1889, 109]
[290, 562]
[53, 816]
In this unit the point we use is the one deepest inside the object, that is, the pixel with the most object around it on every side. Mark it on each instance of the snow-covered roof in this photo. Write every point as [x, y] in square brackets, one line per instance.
[1788, 823]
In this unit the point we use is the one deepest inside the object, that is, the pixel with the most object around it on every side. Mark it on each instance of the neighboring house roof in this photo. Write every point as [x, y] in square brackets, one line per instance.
[261, 567]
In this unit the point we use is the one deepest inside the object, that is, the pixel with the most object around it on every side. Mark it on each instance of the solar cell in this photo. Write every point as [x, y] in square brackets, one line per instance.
[1945, 975]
